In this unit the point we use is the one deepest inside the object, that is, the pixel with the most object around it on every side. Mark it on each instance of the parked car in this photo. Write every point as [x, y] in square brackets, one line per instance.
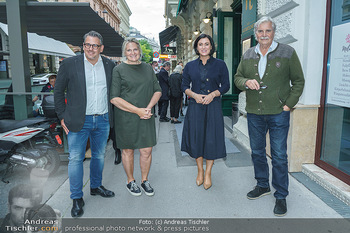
[39, 79]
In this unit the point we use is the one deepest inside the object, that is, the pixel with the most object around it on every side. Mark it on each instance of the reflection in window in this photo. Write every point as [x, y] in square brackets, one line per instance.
[346, 10]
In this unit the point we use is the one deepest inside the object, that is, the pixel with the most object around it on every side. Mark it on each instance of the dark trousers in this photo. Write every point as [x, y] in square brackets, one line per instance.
[163, 105]
[175, 103]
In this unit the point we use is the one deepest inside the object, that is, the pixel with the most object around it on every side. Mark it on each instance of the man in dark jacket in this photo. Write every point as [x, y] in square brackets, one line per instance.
[85, 80]
[163, 102]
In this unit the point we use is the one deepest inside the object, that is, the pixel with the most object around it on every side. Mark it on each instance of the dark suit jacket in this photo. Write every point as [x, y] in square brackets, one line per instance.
[71, 79]
[163, 76]
[175, 80]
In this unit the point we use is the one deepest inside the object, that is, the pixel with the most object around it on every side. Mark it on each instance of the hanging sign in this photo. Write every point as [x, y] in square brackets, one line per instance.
[169, 50]
[248, 18]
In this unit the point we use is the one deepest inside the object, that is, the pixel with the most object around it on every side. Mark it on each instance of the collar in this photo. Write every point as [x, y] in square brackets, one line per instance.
[273, 46]
[209, 60]
[99, 59]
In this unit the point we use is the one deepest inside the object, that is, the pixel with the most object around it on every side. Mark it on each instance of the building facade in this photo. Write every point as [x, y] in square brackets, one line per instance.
[133, 32]
[319, 32]
[124, 13]
[106, 9]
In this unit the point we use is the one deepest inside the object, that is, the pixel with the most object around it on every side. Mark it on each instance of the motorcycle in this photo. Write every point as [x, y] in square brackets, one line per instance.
[31, 143]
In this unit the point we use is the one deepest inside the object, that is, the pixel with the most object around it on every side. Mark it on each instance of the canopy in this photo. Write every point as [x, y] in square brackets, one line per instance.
[68, 22]
[182, 5]
[168, 35]
[44, 45]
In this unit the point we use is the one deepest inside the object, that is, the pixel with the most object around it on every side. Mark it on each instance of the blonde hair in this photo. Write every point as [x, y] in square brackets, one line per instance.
[178, 69]
[131, 40]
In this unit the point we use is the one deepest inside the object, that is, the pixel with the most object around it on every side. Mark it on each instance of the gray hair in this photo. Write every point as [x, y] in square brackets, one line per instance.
[93, 34]
[178, 69]
[264, 19]
[166, 64]
[131, 40]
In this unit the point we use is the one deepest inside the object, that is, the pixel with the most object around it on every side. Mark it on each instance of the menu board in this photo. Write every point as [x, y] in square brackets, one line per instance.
[338, 91]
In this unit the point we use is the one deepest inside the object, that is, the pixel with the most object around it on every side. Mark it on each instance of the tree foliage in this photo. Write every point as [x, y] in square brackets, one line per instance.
[147, 51]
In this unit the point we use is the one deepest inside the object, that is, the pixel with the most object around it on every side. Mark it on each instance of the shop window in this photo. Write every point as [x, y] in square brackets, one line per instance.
[346, 10]
[334, 154]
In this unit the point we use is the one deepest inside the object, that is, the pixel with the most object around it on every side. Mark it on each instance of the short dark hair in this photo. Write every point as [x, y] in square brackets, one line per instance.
[201, 36]
[166, 64]
[21, 191]
[52, 77]
[93, 34]
[154, 62]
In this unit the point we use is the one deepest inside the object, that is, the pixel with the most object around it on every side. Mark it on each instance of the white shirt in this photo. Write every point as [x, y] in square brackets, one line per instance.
[263, 59]
[96, 87]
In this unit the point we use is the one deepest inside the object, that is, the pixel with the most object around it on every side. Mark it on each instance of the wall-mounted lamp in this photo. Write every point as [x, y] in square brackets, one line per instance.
[196, 32]
[208, 17]
[104, 11]
[189, 40]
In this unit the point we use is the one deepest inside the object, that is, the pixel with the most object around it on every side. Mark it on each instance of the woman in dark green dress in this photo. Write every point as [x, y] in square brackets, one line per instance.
[134, 91]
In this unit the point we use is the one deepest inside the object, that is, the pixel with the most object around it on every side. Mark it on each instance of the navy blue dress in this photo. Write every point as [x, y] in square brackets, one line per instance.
[203, 132]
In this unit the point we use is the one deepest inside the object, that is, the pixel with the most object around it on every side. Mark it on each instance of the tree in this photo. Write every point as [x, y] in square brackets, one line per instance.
[147, 51]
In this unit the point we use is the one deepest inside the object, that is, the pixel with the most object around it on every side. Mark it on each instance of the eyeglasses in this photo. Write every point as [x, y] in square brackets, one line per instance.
[94, 46]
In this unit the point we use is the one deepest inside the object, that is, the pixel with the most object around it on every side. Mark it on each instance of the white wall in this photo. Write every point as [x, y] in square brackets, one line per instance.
[301, 24]
[312, 32]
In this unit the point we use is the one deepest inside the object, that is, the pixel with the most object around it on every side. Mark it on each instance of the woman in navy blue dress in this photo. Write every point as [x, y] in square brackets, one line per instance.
[204, 81]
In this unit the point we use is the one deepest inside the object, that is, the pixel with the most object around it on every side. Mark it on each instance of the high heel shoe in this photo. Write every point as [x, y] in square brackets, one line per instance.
[200, 179]
[207, 182]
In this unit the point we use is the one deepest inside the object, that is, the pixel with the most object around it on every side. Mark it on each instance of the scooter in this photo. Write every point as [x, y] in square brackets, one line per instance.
[31, 143]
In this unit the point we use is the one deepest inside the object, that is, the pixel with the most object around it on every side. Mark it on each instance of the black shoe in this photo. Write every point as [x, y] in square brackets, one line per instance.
[258, 192]
[280, 207]
[102, 191]
[167, 118]
[177, 122]
[133, 188]
[172, 121]
[163, 120]
[118, 156]
[181, 113]
[77, 209]
[147, 188]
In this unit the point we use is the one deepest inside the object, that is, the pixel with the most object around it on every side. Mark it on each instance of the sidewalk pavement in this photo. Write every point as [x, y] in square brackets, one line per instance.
[178, 196]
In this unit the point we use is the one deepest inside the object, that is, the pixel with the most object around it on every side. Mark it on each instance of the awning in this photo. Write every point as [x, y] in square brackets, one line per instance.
[68, 22]
[168, 35]
[44, 45]
[182, 5]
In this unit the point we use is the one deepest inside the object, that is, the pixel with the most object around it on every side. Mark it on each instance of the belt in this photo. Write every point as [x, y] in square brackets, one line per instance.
[97, 114]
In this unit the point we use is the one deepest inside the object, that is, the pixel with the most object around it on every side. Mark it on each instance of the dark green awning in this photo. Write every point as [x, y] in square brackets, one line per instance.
[168, 35]
[182, 5]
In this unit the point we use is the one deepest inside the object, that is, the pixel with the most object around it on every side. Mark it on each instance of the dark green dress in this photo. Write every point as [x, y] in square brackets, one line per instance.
[135, 84]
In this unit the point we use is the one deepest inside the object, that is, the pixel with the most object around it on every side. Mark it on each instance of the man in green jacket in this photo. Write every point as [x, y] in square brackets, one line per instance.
[273, 79]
